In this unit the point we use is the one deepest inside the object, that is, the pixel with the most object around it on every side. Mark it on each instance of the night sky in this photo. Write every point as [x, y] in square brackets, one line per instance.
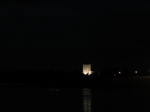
[62, 34]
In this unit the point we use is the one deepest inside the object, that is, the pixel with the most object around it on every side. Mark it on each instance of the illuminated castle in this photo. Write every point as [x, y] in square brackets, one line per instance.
[87, 69]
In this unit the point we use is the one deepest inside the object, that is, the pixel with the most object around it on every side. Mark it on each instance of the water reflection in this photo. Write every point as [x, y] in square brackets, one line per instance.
[87, 100]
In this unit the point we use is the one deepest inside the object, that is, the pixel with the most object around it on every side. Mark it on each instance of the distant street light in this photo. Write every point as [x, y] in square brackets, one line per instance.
[119, 72]
[136, 72]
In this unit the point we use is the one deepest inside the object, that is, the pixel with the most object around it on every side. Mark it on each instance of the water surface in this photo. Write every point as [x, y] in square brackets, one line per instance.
[73, 100]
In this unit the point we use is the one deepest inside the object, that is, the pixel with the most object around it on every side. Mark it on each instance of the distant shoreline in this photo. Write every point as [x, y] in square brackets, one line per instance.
[104, 83]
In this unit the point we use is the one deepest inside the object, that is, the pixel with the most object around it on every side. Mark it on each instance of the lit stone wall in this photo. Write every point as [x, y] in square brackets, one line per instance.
[87, 69]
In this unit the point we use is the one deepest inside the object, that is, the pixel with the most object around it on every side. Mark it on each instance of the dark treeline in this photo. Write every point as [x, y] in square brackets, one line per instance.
[61, 78]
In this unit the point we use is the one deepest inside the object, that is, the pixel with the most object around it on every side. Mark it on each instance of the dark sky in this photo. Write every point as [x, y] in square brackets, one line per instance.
[62, 34]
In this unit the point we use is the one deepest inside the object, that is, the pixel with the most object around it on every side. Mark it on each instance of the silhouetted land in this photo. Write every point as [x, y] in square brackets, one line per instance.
[75, 79]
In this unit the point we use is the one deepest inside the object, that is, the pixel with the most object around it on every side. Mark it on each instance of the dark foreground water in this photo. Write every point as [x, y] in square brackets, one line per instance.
[15, 99]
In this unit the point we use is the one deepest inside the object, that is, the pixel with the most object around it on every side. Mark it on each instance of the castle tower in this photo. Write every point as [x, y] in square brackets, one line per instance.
[87, 69]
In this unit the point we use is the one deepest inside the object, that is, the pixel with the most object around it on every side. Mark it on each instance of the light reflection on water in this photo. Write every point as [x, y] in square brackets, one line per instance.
[73, 100]
[87, 104]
